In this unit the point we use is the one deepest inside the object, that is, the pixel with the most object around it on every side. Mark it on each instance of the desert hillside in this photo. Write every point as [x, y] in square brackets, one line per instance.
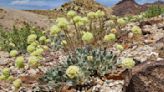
[12, 17]
[80, 6]
[127, 7]
[123, 7]
[131, 7]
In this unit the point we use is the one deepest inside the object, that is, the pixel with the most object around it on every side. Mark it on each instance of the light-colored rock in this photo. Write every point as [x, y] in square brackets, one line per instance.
[4, 58]
[142, 53]
[109, 86]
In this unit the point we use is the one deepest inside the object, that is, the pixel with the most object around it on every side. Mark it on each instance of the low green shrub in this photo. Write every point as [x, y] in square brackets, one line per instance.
[79, 67]
[154, 11]
[17, 38]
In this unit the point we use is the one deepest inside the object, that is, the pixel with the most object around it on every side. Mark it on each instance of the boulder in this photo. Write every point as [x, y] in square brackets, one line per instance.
[147, 77]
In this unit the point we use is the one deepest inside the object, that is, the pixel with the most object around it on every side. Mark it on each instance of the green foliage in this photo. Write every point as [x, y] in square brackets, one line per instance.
[17, 38]
[17, 83]
[5, 74]
[19, 62]
[151, 12]
[100, 63]
[154, 11]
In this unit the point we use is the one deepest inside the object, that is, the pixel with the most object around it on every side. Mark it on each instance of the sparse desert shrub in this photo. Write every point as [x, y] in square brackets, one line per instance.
[154, 11]
[16, 38]
[81, 66]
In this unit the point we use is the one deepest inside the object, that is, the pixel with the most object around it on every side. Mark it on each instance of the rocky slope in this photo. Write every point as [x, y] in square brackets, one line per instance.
[130, 7]
[123, 7]
[11, 17]
[160, 3]
[83, 6]
[80, 6]
[127, 7]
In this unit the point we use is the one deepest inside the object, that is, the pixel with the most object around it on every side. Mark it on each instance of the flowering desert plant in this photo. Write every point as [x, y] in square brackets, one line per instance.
[81, 66]
[87, 37]
[31, 48]
[79, 31]
[84, 37]
[121, 22]
[110, 37]
[36, 48]
[128, 63]
[19, 62]
[73, 72]
[136, 30]
[17, 83]
[6, 72]
[33, 61]
[13, 53]
[6, 75]
[119, 47]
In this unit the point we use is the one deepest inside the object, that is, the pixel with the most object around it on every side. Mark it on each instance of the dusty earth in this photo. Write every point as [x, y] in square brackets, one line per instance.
[11, 17]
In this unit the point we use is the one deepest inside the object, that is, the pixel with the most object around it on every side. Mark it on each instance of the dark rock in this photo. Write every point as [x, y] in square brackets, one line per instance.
[160, 47]
[147, 77]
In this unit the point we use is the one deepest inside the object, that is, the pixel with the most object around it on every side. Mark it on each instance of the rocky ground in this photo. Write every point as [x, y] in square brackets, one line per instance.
[147, 76]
